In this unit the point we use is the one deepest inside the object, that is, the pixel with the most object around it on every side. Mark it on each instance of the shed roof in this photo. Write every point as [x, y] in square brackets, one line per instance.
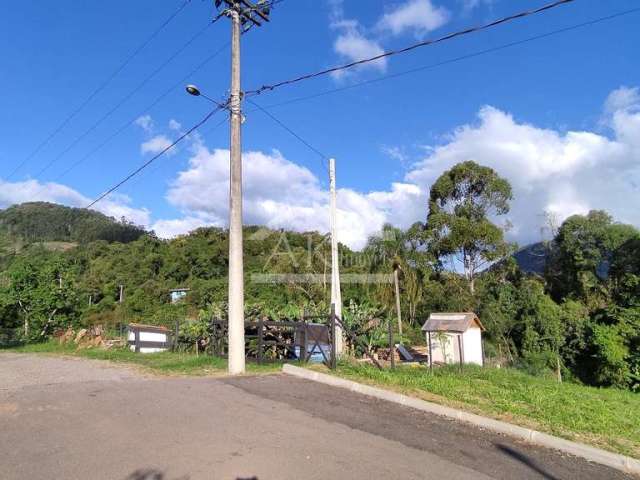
[451, 322]
[148, 328]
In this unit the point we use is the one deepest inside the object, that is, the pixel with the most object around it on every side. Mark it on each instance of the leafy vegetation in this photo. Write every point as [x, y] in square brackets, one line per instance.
[48, 222]
[606, 418]
[578, 319]
[458, 223]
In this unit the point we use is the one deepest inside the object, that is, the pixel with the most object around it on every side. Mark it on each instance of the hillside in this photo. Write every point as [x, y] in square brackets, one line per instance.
[532, 258]
[48, 222]
[62, 268]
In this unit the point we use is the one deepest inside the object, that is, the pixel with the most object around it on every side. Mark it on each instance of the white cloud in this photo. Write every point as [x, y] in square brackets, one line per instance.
[119, 206]
[115, 205]
[281, 194]
[418, 16]
[623, 99]
[268, 181]
[398, 154]
[352, 43]
[352, 46]
[146, 123]
[179, 226]
[564, 173]
[469, 5]
[157, 144]
[174, 124]
[394, 152]
[560, 172]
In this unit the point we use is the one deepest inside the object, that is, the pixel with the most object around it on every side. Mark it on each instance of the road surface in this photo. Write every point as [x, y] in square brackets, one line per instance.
[79, 419]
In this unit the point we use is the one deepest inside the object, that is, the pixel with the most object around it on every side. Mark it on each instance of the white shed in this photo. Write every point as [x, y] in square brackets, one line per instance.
[454, 338]
[147, 338]
[178, 294]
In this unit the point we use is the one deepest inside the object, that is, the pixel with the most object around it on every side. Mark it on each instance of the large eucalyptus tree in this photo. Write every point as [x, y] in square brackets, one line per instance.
[461, 204]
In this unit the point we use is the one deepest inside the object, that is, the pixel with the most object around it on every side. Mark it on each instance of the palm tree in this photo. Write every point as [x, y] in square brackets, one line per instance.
[398, 251]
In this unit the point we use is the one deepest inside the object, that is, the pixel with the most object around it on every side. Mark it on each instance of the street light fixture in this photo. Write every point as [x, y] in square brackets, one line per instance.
[193, 90]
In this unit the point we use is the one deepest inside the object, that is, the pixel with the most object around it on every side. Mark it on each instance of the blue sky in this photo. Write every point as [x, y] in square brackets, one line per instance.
[553, 115]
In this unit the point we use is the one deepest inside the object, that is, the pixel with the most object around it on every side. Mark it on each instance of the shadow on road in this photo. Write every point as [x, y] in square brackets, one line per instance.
[153, 474]
[525, 460]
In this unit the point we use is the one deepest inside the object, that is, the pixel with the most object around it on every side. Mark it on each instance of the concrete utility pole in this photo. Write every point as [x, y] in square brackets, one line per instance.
[336, 295]
[121, 294]
[236, 266]
[241, 12]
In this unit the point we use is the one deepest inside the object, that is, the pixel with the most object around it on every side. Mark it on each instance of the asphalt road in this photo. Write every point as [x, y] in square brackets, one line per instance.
[80, 419]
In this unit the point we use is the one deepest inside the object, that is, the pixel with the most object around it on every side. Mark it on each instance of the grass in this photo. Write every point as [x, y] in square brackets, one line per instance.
[58, 246]
[603, 417]
[164, 363]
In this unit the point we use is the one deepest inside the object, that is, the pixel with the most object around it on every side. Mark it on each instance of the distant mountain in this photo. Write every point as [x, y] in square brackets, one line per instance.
[49, 222]
[532, 258]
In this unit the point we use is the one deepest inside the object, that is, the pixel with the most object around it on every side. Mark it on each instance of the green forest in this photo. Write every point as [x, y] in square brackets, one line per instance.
[567, 307]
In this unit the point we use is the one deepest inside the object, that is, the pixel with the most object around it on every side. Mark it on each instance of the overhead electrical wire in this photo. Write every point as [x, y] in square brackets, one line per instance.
[153, 170]
[155, 157]
[409, 48]
[220, 106]
[157, 100]
[100, 88]
[455, 59]
[124, 99]
[386, 54]
[179, 83]
[272, 3]
[324, 158]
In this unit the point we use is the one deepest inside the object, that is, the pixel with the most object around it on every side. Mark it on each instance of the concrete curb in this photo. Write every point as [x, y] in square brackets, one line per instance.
[592, 454]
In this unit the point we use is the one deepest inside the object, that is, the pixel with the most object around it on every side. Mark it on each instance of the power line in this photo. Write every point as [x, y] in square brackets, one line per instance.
[157, 100]
[153, 104]
[124, 99]
[179, 83]
[152, 171]
[133, 119]
[272, 3]
[155, 157]
[100, 88]
[425, 43]
[322, 156]
[215, 127]
[456, 59]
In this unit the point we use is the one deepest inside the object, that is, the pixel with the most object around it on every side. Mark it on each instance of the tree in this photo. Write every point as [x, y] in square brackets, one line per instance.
[388, 252]
[498, 307]
[460, 203]
[41, 222]
[541, 330]
[612, 357]
[39, 289]
[625, 273]
[402, 253]
[582, 253]
[575, 322]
